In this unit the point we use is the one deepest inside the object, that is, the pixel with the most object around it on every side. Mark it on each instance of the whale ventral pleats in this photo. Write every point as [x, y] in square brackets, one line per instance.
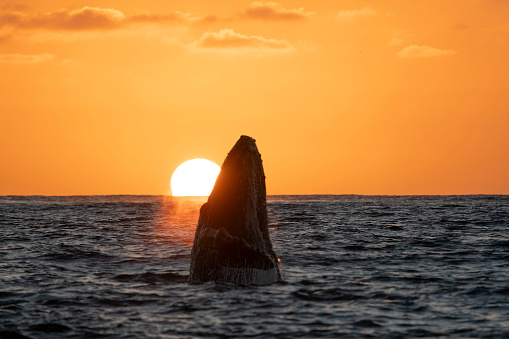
[232, 242]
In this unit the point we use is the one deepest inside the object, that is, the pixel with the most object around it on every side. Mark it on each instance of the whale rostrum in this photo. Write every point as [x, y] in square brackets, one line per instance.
[232, 242]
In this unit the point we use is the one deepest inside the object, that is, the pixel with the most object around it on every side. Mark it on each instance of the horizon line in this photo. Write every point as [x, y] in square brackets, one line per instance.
[268, 195]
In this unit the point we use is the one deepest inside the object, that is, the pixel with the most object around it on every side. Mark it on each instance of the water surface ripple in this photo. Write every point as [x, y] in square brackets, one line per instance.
[354, 266]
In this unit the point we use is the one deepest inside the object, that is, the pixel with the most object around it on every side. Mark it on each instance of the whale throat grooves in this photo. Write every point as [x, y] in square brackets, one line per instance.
[232, 242]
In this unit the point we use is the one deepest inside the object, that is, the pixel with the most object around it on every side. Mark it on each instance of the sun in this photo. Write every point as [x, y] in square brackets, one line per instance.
[194, 178]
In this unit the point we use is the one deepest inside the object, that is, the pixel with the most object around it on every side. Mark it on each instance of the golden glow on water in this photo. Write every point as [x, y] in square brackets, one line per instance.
[177, 219]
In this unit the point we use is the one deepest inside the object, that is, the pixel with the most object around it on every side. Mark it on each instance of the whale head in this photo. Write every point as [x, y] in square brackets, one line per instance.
[232, 233]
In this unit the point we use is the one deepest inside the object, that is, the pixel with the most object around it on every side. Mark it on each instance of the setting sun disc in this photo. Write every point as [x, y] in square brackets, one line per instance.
[194, 177]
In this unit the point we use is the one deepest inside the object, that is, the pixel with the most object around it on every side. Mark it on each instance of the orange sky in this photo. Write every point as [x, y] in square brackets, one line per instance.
[343, 97]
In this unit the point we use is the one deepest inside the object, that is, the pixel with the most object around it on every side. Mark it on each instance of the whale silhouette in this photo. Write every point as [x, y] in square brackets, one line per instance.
[232, 243]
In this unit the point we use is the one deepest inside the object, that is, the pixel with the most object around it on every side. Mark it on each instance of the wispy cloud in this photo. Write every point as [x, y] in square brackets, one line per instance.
[13, 6]
[91, 18]
[174, 17]
[354, 14]
[229, 40]
[85, 18]
[416, 51]
[18, 58]
[274, 12]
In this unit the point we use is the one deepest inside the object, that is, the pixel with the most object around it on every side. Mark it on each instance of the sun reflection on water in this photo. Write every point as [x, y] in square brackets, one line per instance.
[178, 217]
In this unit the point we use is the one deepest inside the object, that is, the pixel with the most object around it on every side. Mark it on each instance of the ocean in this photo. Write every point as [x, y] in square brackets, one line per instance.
[353, 266]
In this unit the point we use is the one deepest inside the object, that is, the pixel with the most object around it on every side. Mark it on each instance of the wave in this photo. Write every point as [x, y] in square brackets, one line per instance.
[152, 278]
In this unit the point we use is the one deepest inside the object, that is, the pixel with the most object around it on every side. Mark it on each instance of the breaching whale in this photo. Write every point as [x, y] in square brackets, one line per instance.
[232, 242]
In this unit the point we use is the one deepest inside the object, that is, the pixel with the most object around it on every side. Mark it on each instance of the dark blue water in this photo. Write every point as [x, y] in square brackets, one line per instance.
[354, 266]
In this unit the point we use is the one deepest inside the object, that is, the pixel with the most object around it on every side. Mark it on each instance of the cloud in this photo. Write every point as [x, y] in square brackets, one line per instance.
[415, 51]
[229, 40]
[174, 17]
[273, 11]
[354, 14]
[91, 18]
[14, 6]
[85, 18]
[25, 58]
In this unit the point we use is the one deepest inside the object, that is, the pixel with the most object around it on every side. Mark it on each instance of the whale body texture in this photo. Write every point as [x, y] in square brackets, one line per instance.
[232, 243]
